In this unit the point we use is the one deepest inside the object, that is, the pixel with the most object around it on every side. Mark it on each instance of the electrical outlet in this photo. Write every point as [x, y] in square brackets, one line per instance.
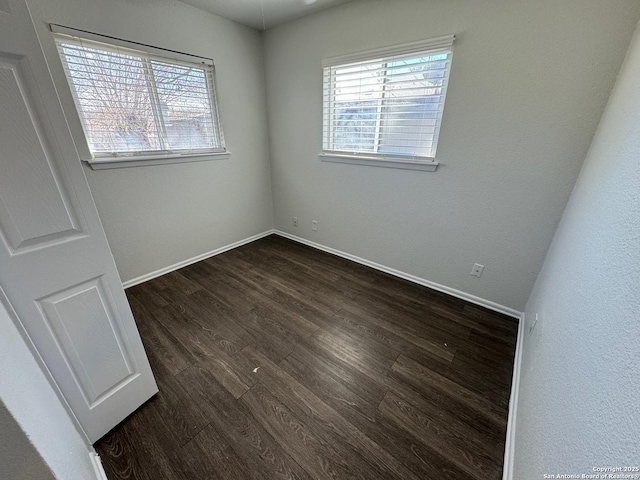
[477, 270]
[295, 221]
[314, 225]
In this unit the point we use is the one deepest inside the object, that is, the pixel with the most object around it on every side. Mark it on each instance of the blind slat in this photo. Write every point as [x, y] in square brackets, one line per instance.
[430, 45]
[390, 68]
[386, 105]
[134, 101]
[390, 82]
[108, 90]
[368, 95]
[363, 118]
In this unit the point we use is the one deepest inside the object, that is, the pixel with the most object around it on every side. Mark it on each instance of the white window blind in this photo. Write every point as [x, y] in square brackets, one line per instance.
[387, 104]
[136, 103]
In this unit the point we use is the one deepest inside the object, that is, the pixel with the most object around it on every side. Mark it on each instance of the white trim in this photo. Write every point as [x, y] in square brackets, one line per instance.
[381, 59]
[141, 47]
[184, 263]
[517, 367]
[445, 41]
[388, 162]
[496, 307]
[103, 163]
[509, 447]
[13, 315]
[97, 466]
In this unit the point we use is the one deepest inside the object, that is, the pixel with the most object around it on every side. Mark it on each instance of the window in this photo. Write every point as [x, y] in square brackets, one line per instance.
[385, 107]
[137, 104]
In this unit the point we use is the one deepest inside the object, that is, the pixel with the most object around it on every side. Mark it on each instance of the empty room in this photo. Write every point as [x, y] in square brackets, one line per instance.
[319, 239]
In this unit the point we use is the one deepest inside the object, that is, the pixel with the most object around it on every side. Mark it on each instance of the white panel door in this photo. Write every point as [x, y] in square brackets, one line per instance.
[55, 263]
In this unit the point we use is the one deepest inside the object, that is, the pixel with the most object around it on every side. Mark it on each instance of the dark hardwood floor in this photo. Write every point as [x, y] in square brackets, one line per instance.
[278, 361]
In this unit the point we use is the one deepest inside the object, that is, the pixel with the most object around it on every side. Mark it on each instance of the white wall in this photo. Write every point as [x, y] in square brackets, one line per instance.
[19, 460]
[579, 393]
[529, 82]
[31, 400]
[156, 216]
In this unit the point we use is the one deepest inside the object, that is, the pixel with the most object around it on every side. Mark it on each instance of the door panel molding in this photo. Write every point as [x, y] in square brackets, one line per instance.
[55, 264]
[96, 371]
[43, 213]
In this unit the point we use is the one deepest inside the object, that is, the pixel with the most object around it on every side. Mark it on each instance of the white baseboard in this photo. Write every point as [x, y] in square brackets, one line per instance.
[509, 447]
[184, 263]
[412, 278]
[515, 385]
[97, 466]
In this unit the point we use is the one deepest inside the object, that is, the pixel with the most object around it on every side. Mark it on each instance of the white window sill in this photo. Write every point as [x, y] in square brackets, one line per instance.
[379, 162]
[102, 163]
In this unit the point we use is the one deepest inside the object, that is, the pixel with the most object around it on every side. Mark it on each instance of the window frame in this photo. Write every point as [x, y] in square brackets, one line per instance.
[386, 54]
[106, 160]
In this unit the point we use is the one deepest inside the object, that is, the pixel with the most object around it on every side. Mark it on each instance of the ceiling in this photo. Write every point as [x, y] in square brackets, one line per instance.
[250, 12]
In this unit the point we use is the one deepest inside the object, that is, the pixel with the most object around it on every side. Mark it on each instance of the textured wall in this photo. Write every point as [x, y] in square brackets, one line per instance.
[31, 401]
[529, 82]
[19, 460]
[156, 216]
[579, 394]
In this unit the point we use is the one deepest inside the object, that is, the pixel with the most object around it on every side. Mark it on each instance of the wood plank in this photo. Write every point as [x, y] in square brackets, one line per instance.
[478, 436]
[224, 372]
[400, 338]
[155, 454]
[449, 443]
[501, 345]
[183, 419]
[236, 424]
[482, 352]
[477, 368]
[175, 281]
[279, 361]
[275, 333]
[223, 287]
[148, 296]
[425, 380]
[120, 453]
[295, 272]
[366, 357]
[335, 385]
[422, 320]
[303, 263]
[410, 291]
[215, 317]
[361, 411]
[493, 319]
[166, 354]
[367, 386]
[312, 257]
[494, 393]
[197, 340]
[242, 272]
[324, 420]
[209, 456]
[322, 459]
